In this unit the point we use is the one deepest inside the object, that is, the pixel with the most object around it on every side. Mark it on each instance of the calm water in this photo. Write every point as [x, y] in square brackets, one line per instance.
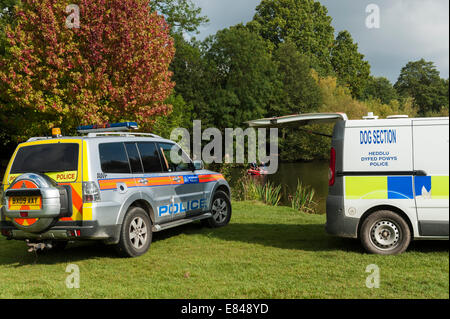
[314, 174]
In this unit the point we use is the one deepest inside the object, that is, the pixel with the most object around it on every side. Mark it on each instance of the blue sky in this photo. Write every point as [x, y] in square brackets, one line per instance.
[409, 29]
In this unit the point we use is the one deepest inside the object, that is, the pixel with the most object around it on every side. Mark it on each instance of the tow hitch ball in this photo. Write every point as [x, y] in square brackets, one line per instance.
[38, 246]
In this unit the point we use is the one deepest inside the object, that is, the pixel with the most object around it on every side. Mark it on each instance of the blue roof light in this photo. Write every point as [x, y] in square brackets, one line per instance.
[114, 127]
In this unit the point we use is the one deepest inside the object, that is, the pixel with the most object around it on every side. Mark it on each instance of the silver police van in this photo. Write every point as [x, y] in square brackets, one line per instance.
[109, 185]
[388, 178]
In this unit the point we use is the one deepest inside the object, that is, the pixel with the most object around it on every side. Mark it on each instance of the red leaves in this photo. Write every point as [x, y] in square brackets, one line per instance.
[114, 67]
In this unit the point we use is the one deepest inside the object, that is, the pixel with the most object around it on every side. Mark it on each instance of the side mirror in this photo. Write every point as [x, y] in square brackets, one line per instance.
[198, 165]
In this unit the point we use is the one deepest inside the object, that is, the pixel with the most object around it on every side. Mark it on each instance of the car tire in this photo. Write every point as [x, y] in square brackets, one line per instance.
[220, 210]
[385, 233]
[136, 233]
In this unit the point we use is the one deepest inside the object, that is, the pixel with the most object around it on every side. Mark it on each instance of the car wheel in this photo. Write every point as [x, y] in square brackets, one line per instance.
[385, 233]
[220, 210]
[136, 233]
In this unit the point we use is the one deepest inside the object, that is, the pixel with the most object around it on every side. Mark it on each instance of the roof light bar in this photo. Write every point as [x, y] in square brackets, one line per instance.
[114, 127]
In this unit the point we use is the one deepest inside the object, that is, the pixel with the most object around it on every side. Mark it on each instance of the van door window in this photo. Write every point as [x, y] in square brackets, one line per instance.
[114, 159]
[173, 158]
[150, 157]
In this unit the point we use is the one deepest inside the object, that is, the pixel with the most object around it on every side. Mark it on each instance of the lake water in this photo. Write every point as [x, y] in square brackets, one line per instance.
[314, 174]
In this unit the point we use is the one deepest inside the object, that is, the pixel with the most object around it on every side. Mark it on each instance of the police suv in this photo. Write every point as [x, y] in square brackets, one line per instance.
[388, 180]
[109, 185]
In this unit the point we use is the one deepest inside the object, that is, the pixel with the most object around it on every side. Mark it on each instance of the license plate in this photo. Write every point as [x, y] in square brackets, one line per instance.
[25, 203]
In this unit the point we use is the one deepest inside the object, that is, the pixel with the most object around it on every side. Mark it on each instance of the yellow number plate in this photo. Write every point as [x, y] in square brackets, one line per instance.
[25, 203]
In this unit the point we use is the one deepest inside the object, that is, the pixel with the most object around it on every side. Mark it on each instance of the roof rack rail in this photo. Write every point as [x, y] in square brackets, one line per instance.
[123, 134]
[33, 139]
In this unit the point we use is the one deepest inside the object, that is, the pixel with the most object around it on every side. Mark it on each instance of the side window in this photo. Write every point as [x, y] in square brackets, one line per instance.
[173, 158]
[113, 158]
[133, 156]
[150, 157]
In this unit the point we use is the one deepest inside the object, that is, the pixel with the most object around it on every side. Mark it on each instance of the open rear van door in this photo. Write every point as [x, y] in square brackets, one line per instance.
[431, 147]
[299, 120]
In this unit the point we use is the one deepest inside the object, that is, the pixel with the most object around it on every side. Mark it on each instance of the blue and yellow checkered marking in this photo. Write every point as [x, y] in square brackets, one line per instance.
[396, 187]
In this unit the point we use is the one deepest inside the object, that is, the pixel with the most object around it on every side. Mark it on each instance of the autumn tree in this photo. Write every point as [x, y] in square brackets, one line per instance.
[113, 67]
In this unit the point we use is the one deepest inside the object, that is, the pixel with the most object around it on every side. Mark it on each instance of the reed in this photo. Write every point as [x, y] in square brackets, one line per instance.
[303, 199]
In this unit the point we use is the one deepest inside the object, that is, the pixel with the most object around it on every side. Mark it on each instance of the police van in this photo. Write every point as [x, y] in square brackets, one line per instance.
[110, 185]
[388, 178]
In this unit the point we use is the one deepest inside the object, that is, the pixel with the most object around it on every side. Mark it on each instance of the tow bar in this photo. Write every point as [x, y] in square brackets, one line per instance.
[34, 247]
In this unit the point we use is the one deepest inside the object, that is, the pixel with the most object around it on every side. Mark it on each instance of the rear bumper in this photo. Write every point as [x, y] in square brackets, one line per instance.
[337, 223]
[89, 230]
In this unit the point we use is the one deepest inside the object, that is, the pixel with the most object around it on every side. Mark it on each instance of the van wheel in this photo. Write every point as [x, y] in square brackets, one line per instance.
[220, 210]
[385, 233]
[135, 234]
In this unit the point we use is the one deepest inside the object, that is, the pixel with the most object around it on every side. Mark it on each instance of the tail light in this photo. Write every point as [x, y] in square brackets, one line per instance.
[91, 192]
[332, 171]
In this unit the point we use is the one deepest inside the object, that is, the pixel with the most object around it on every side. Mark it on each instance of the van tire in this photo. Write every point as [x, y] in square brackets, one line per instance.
[218, 219]
[385, 233]
[135, 234]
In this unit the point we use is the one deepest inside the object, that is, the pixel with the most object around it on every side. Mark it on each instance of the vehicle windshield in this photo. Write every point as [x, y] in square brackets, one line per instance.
[46, 158]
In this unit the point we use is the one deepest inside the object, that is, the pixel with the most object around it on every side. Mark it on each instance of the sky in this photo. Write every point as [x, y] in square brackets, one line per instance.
[408, 31]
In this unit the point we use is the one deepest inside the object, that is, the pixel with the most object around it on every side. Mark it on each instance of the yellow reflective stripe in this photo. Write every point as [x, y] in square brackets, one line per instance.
[87, 211]
[439, 187]
[366, 187]
[85, 163]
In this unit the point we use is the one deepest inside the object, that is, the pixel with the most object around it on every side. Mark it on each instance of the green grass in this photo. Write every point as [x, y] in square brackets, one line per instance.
[265, 252]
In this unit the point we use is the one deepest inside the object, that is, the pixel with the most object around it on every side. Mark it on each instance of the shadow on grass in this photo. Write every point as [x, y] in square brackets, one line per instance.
[16, 254]
[307, 237]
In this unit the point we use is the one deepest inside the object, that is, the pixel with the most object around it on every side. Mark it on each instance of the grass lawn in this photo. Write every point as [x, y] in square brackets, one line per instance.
[265, 252]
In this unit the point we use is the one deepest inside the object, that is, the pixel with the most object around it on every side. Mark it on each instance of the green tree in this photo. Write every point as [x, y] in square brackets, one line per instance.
[304, 22]
[182, 15]
[245, 78]
[379, 88]
[300, 93]
[421, 80]
[179, 117]
[349, 65]
[192, 74]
